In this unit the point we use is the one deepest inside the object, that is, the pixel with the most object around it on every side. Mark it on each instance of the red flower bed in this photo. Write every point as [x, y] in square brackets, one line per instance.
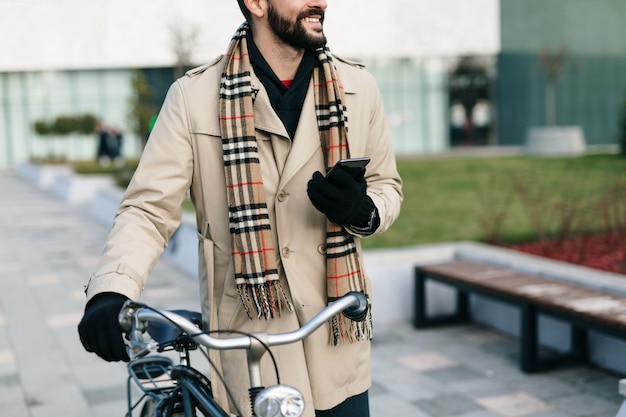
[606, 252]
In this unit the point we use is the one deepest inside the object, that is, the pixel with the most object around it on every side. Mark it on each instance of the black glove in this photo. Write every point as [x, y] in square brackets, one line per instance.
[342, 196]
[99, 329]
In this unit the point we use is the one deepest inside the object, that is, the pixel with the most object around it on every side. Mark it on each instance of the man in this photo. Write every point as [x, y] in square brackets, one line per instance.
[249, 137]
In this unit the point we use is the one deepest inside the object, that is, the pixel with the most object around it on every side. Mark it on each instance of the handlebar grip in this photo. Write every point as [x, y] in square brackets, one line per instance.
[357, 312]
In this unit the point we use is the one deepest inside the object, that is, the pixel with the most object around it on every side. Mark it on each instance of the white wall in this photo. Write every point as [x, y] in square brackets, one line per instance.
[414, 28]
[62, 34]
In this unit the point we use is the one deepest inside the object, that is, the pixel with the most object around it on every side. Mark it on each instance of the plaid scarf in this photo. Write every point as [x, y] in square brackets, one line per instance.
[253, 249]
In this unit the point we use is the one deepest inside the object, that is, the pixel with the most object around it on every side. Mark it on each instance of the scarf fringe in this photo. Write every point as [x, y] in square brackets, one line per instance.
[266, 300]
[344, 330]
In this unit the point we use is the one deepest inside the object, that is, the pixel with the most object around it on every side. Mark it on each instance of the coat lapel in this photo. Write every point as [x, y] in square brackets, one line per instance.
[265, 118]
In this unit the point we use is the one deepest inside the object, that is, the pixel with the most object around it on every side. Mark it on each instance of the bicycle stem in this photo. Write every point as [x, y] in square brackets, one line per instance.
[258, 347]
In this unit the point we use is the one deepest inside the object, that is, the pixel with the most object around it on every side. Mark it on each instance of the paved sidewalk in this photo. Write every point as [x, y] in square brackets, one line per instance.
[48, 250]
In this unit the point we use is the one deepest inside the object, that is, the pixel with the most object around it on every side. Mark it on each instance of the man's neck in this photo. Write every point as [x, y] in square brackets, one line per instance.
[282, 58]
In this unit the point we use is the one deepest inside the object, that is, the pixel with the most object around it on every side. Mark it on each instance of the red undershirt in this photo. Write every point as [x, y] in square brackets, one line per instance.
[286, 83]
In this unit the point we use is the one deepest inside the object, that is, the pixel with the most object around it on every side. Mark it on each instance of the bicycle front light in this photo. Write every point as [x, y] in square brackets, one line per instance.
[279, 401]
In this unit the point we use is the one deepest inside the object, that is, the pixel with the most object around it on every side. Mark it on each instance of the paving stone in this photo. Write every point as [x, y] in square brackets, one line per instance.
[515, 404]
[110, 409]
[546, 386]
[447, 405]
[426, 361]
[104, 395]
[389, 405]
[603, 385]
[14, 409]
[479, 413]
[554, 413]
[405, 383]
[454, 374]
[584, 404]
[61, 400]
[479, 337]
[92, 374]
[9, 380]
[480, 388]
[7, 357]
[377, 389]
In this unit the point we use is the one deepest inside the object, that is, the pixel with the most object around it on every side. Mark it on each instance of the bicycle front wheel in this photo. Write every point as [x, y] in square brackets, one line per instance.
[152, 408]
[148, 408]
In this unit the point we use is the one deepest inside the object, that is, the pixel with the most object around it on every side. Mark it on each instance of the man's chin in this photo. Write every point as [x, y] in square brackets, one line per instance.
[305, 39]
[317, 41]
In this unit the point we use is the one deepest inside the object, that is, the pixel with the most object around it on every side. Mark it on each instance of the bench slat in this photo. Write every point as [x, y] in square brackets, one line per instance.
[576, 300]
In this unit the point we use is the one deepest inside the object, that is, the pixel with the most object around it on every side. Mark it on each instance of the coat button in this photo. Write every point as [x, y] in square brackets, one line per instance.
[321, 249]
[281, 196]
[286, 251]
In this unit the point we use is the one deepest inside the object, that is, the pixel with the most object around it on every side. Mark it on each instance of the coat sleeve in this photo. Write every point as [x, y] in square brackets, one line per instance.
[151, 209]
[384, 184]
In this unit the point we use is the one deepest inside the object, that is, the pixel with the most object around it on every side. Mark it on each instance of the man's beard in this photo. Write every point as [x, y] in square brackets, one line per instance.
[297, 35]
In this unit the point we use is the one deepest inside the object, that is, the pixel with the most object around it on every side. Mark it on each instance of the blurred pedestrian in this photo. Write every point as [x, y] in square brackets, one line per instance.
[110, 141]
[102, 151]
[114, 141]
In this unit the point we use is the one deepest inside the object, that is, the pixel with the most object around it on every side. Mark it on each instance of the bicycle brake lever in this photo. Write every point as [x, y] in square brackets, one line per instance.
[125, 315]
[134, 330]
[140, 349]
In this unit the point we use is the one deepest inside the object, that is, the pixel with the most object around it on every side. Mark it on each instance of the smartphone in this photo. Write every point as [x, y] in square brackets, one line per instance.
[351, 163]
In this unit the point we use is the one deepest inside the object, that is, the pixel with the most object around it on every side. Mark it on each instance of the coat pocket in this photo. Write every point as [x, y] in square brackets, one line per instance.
[218, 283]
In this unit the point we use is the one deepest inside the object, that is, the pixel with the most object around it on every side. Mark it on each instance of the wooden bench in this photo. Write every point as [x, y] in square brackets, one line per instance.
[583, 308]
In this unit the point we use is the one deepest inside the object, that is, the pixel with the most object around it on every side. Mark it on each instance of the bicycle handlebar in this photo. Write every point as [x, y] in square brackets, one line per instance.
[135, 316]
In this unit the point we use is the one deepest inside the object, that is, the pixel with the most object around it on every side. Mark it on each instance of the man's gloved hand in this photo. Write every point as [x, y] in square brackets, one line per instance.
[99, 329]
[342, 196]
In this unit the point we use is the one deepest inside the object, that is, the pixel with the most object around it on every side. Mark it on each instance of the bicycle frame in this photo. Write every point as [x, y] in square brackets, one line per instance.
[193, 394]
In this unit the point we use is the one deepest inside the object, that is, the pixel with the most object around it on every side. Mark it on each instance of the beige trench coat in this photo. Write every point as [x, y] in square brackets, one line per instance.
[184, 154]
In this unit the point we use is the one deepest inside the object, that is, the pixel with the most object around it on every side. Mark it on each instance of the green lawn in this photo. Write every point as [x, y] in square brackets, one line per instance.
[494, 199]
[505, 199]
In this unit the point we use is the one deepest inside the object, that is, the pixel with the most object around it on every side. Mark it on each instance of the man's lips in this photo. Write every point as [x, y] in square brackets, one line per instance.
[313, 19]
[314, 22]
[313, 16]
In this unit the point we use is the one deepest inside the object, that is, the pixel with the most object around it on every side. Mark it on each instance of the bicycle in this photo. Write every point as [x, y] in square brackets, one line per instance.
[170, 390]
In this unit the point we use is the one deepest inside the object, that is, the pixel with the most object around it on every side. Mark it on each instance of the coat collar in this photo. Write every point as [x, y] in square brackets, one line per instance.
[265, 118]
